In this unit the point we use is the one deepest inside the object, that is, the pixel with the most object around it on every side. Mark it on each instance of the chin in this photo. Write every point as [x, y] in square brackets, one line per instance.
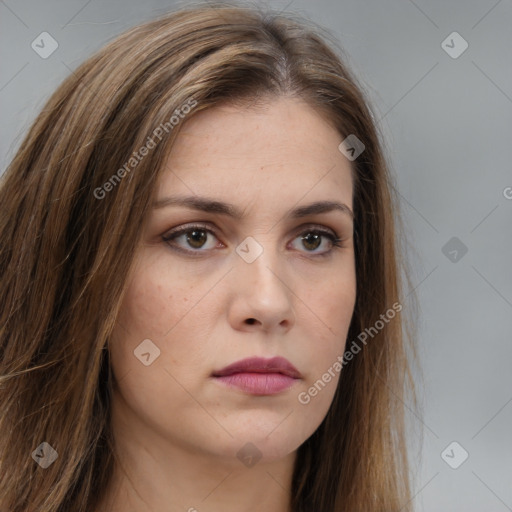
[252, 445]
[269, 446]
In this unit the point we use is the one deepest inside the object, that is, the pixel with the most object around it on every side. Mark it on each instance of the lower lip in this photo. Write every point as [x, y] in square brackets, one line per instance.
[258, 383]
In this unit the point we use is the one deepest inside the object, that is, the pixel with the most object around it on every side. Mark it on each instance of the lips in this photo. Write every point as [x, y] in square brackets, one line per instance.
[260, 365]
[258, 376]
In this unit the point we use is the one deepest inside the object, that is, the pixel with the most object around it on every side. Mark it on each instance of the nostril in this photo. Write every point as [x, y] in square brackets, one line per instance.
[251, 321]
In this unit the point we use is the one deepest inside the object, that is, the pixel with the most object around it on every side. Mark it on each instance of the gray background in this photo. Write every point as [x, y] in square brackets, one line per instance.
[448, 125]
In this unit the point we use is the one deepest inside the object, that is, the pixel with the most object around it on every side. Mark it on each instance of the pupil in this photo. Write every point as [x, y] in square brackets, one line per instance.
[196, 238]
[308, 238]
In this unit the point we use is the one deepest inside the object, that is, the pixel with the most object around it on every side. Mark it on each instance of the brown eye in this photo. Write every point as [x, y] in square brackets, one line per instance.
[312, 241]
[191, 239]
[197, 238]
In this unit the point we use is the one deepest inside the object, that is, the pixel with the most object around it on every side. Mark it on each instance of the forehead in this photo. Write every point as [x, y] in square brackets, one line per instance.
[283, 148]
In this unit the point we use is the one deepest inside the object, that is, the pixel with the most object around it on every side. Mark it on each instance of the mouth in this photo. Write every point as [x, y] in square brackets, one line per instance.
[258, 376]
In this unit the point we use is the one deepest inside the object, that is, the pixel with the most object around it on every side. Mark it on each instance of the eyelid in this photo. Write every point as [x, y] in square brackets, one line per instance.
[183, 228]
[208, 227]
[314, 227]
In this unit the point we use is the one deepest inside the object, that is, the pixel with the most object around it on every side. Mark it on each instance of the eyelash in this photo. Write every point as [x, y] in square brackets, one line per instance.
[332, 236]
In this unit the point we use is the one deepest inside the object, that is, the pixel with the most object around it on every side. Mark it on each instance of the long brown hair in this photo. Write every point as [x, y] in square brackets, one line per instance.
[68, 241]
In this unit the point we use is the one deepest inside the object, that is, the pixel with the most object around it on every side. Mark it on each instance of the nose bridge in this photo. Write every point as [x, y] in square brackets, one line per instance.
[258, 260]
[261, 272]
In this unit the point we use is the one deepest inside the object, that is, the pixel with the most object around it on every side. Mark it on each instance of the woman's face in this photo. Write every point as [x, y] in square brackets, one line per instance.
[239, 287]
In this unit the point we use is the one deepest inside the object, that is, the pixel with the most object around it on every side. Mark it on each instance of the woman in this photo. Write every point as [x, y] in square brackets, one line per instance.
[200, 285]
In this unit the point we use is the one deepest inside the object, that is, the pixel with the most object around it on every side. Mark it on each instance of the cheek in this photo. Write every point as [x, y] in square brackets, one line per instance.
[315, 397]
[333, 306]
[163, 307]
[152, 305]
[145, 314]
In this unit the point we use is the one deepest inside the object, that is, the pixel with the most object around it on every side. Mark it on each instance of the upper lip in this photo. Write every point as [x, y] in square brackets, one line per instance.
[260, 365]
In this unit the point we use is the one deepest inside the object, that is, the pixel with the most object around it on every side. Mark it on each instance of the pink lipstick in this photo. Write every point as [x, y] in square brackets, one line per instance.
[259, 376]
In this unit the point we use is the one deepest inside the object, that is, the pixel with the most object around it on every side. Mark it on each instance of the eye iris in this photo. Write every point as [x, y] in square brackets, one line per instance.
[196, 237]
[309, 237]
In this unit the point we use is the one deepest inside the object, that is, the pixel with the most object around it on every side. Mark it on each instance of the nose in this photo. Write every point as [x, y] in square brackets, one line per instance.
[261, 297]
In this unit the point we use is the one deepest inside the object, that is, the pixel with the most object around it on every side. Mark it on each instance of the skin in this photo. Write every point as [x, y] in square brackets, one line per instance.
[177, 429]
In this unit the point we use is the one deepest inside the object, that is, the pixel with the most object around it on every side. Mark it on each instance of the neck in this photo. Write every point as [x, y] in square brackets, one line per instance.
[156, 474]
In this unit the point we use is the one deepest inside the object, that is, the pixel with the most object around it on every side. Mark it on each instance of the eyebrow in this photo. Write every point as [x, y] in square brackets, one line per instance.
[209, 205]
